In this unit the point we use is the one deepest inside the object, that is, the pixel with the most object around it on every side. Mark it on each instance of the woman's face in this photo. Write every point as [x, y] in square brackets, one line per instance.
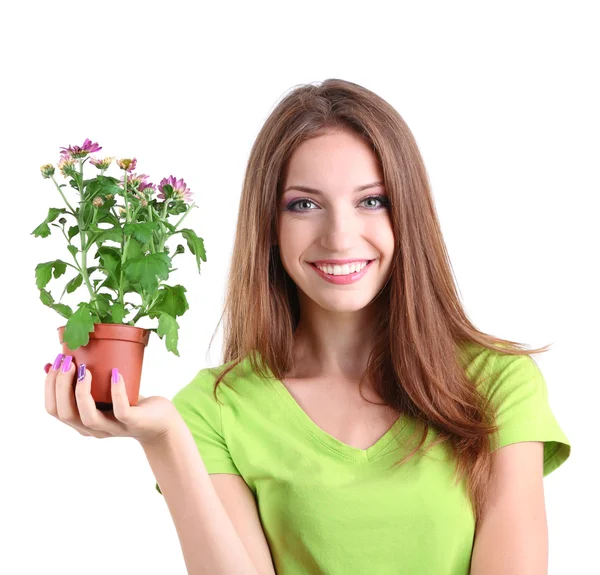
[335, 221]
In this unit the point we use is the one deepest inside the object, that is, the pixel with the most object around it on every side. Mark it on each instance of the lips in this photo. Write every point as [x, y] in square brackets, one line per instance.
[339, 262]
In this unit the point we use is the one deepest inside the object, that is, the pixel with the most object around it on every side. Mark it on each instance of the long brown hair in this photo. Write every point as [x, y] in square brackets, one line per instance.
[416, 365]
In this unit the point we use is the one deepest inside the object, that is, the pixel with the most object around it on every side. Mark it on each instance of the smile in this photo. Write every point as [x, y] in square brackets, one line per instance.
[338, 277]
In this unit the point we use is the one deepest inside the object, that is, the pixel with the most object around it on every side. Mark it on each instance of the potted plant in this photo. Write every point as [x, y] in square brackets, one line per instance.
[121, 224]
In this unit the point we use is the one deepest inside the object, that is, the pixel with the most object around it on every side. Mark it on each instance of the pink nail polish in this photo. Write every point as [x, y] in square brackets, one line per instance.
[57, 361]
[115, 375]
[67, 363]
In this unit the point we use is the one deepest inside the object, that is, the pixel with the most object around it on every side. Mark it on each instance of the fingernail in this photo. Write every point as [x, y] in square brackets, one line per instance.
[81, 372]
[47, 367]
[57, 361]
[115, 375]
[67, 363]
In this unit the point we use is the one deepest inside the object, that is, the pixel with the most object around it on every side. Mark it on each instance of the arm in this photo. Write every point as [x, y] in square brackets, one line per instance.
[513, 536]
[208, 538]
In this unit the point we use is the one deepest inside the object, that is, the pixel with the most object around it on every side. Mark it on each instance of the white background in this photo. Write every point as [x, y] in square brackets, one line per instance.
[503, 101]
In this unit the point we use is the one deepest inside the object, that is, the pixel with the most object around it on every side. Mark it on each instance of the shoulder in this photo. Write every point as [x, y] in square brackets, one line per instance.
[241, 380]
[516, 390]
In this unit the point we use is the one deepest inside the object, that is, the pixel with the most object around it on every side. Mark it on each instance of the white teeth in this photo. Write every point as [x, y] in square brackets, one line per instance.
[343, 270]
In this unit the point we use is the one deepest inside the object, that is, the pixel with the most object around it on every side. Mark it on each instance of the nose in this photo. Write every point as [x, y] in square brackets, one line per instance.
[341, 230]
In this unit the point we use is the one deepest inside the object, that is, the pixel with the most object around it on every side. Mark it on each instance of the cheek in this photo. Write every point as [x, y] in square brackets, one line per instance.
[381, 235]
[294, 239]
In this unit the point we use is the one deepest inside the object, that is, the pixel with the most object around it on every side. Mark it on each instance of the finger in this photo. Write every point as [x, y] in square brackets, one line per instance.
[50, 386]
[92, 419]
[121, 405]
[65, 400]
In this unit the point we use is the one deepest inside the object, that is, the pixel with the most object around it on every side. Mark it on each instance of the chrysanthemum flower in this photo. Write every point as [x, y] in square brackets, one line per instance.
[81, 151]
[98, 201]
[127, 164]
[65, 164]
[47, 170]
[180, 190]
[102, 164]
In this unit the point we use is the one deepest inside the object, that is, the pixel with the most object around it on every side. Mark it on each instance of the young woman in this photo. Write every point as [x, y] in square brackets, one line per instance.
[360, 423]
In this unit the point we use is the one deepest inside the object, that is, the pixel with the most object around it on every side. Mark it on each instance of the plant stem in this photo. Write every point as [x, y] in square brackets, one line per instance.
[161, 245]
[84, 248]
[63, 196]
[126, 243]
[152, 248]
[185, 215]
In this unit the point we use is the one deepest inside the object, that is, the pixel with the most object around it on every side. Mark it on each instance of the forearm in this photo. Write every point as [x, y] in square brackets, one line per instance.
[208, 539]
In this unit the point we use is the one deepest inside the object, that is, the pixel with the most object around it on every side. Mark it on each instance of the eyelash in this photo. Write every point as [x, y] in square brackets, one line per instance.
[384, 201]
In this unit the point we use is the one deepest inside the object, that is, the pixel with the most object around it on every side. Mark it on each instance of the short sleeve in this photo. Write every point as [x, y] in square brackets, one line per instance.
[202, 414]
[518, 391]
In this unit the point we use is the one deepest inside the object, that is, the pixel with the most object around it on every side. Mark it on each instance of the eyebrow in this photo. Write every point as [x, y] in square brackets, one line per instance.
[320, 193]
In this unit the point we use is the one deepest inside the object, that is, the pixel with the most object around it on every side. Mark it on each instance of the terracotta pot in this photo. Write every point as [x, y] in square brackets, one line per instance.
[111, 345]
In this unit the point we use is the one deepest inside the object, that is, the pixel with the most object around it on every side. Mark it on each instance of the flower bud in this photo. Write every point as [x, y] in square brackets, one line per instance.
[102, 164]
[180, 249]
[127, 164]
[109, 196]
[47, 171]
[65, 165]
[98, 201]
[122, 211]
[62, 221]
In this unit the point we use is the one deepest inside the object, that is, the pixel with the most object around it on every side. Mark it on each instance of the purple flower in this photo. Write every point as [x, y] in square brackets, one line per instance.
[81, 151]
[180, 190]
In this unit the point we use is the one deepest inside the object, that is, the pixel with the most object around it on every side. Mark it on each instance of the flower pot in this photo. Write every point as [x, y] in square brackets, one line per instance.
[111, 345]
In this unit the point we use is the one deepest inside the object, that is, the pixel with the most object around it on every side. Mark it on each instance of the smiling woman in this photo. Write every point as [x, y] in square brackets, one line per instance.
[370, 422]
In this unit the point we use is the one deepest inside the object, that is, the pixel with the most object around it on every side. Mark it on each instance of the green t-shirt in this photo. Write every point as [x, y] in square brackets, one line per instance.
[329, 508]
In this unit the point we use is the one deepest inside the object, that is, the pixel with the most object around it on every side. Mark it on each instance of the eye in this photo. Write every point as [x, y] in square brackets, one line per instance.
[293, 206]
[381, 199]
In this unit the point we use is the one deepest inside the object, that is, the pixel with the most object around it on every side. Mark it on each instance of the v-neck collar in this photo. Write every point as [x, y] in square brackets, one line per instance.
[354, 453]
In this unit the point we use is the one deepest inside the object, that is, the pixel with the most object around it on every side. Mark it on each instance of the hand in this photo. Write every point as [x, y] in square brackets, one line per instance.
[72, 403]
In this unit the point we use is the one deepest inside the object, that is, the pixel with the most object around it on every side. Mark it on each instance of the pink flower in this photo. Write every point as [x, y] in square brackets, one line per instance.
[127, 164]
[101, 164]
[180, 191]
[139, 181]
[81, 151]
[66, 165]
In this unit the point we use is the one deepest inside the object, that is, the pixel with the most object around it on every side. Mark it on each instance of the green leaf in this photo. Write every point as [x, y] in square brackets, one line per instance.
[110, 283]
[104, 301]
[134, 249]
[78, 328]
[72, 232]
[195, 244]
[118, 312]
[140, 231]
[168, 326]
[43, 272]
[110, 259]
[61, 308]
[73, 284]
[73, 250]
[171, 300]
[114, 234]
[170, 227]
[146, 269]
[43, 230]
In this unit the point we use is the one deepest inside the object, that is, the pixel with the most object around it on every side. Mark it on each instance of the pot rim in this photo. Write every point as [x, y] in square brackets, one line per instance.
[115, 331]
